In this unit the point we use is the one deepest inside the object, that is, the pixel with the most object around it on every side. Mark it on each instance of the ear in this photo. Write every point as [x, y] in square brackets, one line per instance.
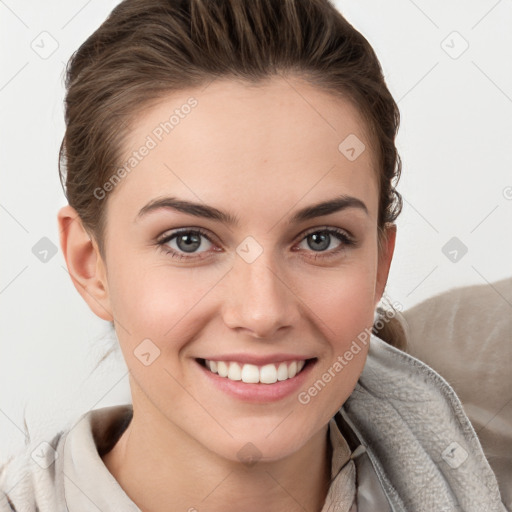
[84, 262]
[386, 250]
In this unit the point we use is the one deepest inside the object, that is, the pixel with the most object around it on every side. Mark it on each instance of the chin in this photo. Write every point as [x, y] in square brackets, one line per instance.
[261, 447]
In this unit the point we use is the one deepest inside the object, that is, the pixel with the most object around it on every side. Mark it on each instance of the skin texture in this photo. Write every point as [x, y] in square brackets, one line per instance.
[260, 153]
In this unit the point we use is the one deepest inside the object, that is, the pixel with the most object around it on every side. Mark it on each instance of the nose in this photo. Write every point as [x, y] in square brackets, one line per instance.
[259, 298]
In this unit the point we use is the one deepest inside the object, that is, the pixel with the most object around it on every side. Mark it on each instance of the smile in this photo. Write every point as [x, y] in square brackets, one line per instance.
[253, 374]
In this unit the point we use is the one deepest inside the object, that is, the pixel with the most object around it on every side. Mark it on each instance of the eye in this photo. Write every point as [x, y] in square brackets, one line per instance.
[321, 239]
[187, 241]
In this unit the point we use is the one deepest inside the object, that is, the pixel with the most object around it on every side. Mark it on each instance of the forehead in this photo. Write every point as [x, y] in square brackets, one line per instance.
[280, 140]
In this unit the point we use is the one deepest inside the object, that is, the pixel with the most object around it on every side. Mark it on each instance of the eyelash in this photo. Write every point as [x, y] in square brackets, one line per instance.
[341, 235]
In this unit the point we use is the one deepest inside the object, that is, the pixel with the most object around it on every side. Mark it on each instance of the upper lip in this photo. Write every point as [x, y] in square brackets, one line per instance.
[258, 360]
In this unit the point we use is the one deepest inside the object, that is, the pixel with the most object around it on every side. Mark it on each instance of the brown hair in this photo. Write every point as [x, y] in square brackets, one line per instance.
[146, 49]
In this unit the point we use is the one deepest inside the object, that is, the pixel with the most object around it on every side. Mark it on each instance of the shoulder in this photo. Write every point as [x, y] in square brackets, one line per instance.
[65, 471]
[464, 335]
[30, 479]
[415, 429]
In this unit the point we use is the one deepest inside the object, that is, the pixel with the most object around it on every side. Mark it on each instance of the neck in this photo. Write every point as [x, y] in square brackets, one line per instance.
[161, 468]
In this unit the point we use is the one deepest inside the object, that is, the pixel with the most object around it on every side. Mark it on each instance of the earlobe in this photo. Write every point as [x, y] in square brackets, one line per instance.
[85, 265]
[386, 251]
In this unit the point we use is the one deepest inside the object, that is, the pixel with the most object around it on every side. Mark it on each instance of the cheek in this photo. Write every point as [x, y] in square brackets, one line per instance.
[342, 299]
[158, 310]
[159, 302]
[343, 308]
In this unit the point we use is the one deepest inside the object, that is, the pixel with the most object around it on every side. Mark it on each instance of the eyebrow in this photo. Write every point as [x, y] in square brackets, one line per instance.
[209, 212]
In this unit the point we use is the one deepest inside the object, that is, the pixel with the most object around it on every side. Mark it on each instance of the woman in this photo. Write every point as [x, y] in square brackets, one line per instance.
[229, 169]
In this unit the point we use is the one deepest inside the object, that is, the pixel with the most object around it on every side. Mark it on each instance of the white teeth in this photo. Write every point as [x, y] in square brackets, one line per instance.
[234, 371]
[282, 372]
[252, 374]
[268, 374]
[292, 370]
[222, 368]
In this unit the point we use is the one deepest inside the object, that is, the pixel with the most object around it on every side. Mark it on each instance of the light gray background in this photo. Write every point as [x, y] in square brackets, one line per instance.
[455, 142]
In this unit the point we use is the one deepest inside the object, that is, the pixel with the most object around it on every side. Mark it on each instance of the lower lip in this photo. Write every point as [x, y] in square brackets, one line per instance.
[258, 393]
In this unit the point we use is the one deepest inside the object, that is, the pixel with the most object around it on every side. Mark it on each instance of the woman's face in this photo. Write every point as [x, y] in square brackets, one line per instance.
[259, 273]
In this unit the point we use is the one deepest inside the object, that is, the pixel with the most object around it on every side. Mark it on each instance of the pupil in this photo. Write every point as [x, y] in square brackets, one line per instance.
[323, 238]
[192, 242]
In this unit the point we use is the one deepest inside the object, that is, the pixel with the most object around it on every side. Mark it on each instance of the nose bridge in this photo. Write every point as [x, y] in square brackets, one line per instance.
[261, 300]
